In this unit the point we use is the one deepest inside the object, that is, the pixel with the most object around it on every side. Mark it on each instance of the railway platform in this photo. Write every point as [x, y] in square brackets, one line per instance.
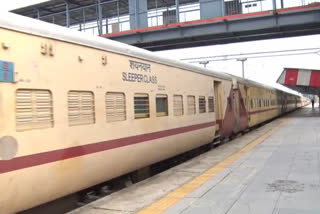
[272, 169]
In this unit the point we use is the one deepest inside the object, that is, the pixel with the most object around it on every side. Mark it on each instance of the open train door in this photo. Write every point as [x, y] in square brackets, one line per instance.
[240, 115]
[218, 105]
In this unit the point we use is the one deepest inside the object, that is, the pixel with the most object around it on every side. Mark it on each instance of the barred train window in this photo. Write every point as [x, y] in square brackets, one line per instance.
[202, 104]
[141, 106]
[211, 104]
[34, 109]
[81, 108]
[177, 105]
[115, 106]
[162, 105]
[191, 104]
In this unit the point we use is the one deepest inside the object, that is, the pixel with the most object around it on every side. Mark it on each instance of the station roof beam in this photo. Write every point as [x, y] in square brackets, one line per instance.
[170, 24]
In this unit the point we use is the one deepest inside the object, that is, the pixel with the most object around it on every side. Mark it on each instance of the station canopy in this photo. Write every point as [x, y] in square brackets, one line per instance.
[305, 81]
[76, 8]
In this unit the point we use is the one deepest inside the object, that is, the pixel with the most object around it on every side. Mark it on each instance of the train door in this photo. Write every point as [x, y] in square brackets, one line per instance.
[283, 104]
[217, 104]
[240, 111]
[236, 104]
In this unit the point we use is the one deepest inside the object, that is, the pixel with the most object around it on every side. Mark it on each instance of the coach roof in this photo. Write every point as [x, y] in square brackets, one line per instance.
[48, 30]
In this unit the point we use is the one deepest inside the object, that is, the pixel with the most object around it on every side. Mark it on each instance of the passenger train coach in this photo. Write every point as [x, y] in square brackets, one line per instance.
[78, 110]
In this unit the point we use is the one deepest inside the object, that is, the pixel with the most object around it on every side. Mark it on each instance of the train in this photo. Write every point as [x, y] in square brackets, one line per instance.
[78, 110]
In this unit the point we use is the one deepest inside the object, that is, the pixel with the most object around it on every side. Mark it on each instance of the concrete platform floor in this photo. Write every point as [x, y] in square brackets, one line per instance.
[274, 169]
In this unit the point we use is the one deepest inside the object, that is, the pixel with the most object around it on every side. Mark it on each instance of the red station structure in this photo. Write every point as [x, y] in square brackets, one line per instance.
[305, 81]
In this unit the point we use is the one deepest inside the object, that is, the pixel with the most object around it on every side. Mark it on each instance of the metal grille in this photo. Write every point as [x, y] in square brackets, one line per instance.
[177, 105]
[141, 106]
[191, 104]
[162, 105]
[33, 109]
[202, 104]
[211, 104]
[115, 106]
[81, 108]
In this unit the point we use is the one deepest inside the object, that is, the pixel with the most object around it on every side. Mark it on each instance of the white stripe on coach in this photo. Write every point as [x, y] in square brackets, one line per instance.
[304, 77]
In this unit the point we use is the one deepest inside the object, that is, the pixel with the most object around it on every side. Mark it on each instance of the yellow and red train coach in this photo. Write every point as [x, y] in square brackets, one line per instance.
[78, 110]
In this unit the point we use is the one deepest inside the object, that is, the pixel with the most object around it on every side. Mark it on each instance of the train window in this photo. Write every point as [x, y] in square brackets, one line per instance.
[251, 102]
[191, 104]
[229, 104]
[202, 104]
[115, 106]
[211, 104]
[162, 105]
[141, 106]
[177, 105]
[81, 108]
[34, 109]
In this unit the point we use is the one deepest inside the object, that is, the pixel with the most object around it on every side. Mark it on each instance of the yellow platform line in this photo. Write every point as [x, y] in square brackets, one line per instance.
[174, 197]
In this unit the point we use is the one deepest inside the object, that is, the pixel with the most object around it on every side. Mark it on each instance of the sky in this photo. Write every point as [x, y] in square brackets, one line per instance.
[13, 4]
[263, 70]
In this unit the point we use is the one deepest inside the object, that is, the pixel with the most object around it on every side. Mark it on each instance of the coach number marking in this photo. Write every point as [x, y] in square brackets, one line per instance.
[6, 71]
